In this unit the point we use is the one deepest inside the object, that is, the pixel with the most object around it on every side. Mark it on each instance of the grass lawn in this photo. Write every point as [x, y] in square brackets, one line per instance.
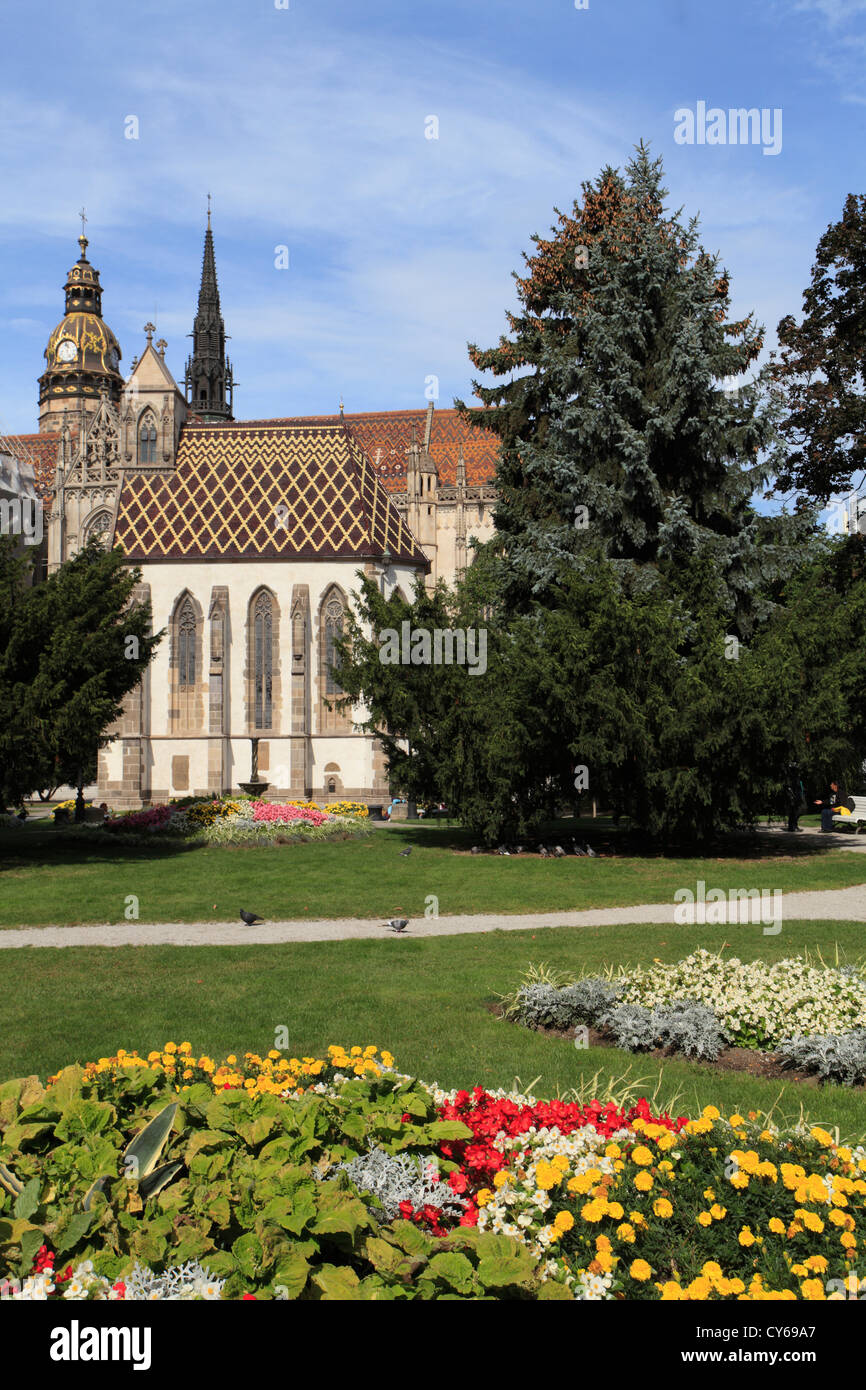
[426, 1000]
[47, 881]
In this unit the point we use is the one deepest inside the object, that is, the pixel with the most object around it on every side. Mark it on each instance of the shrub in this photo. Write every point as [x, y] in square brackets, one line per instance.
[834, 1056]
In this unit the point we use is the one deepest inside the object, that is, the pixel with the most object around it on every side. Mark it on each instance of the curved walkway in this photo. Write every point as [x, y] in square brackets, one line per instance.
[834, 904]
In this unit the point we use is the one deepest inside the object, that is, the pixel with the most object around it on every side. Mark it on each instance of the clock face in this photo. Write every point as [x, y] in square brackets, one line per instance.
[67, 351]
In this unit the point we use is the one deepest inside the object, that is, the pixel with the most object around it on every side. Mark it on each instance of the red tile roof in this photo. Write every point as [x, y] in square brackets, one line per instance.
[385, 435]
[40, 450]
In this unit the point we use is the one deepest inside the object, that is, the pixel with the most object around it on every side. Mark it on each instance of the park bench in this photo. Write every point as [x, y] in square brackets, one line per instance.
[857, 816]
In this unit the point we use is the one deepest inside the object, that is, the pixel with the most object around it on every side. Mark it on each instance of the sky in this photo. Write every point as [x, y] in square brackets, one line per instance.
[309, 122]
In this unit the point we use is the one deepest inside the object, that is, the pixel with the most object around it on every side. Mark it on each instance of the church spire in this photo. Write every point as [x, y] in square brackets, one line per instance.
[209, 382]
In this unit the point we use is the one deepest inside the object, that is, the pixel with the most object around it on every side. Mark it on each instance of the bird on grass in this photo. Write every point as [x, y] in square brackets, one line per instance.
[558, 852]
[542, 850]
[249, 918]
[404, 853]
[397, 923]
[476, 849]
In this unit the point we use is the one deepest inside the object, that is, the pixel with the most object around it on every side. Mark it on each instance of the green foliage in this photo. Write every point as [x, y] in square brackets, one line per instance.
[251, 1204]
[819, 369]
[70, 649]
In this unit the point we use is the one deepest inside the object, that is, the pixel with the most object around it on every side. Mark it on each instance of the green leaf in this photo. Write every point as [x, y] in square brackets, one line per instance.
[337, 1283]
[247, 1251]
[75, 1229]
[142, 1152]
[192, 1244]
[67, 1085]
[256, 1131]
[292, 1212]
[201, 1140]
[448, 1129]
[291, 1272]
[410, 1238]
[158, 1179]
[453, 1269]
[551, 1290]
[340, 1214]
[27, 1200]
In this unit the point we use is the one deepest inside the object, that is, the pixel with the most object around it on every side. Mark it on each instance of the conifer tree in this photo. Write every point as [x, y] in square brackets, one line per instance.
[820, 370]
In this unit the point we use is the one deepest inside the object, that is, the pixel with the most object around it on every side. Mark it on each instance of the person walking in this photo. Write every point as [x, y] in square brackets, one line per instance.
[796, 796]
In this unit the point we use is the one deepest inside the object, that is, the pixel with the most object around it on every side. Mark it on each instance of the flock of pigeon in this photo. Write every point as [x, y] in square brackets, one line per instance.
[544, 851]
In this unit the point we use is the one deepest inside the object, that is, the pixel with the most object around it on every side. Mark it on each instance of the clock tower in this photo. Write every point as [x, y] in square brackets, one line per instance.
[83, 356]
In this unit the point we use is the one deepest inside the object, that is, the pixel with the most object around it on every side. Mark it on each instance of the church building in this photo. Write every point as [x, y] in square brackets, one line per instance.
[249, 535]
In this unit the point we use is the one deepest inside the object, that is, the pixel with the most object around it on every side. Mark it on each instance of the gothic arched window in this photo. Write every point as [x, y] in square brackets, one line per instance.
[98, 526]
[262, 662]
[186, 636]
[333, 630]
[147, 439]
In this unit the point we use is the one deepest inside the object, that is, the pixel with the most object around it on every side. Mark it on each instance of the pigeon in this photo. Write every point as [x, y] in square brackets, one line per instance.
[250, 917]
[518, 849]
[577, 849]
[397, 923]
[404, 853]
[476, 849]
[543, 852]
[502, 850]
[591, 852]
[558, 852]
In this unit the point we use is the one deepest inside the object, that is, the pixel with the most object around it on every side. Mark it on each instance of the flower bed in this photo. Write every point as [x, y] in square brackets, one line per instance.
[705, 1002]
[337, 1177]
[235, 820]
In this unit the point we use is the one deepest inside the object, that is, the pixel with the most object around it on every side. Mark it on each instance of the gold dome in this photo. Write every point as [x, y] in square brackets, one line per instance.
[96, 349]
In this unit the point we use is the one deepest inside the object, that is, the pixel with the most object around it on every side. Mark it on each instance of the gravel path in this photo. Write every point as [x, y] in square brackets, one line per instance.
[841, 904]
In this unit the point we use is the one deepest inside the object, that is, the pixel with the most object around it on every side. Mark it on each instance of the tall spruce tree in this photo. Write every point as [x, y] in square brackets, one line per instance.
[617, 424]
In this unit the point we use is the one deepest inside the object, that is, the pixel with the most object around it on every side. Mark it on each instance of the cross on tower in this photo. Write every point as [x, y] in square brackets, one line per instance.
[83, 216]
[208, 210]
[150, 329]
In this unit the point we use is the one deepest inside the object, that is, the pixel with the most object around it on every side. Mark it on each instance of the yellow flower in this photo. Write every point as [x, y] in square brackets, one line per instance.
[640, 1270]
[710, 1112]
[170, 1047]
[847, 1241]
[745, 1237]
[185, 1047]
[776, 1226]
[642, 1155]
[704, 1218]
[603, 1243]
[592, 1211]
[709, 1195]
[817, 1263]
[626, 1233]
[821, 1135]
[643, 1182]
[670, 1291]
[613, 1151]
[699, 1288]
[663, 1208]
[484, 1196]
[500, 1178]
[735, 1120]
[561, 1162]
[564, 1221]
[813, 1289]
[637, 1218]
[718, 1213]
[739, 1180]
[666, 1141]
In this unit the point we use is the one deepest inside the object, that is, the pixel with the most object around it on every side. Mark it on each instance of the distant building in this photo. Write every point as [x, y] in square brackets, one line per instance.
[249, 535]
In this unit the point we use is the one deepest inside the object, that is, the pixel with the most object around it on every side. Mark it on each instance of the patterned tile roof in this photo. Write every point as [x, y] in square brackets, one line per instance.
[385, 435]
[225, 498]
[40, 450]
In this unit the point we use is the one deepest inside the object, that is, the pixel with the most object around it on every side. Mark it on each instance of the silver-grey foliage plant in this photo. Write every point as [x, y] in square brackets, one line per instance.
[396, 1178]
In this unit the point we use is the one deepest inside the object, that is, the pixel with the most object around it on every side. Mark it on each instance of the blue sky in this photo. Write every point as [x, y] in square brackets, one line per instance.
[307, 125]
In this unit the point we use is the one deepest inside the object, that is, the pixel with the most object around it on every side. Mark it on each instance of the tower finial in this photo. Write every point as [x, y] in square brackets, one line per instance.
[208, 211]
[82, 240]
[150, 329]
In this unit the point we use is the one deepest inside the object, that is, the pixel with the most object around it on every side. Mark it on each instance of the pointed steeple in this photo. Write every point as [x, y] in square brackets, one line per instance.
[208, 380]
